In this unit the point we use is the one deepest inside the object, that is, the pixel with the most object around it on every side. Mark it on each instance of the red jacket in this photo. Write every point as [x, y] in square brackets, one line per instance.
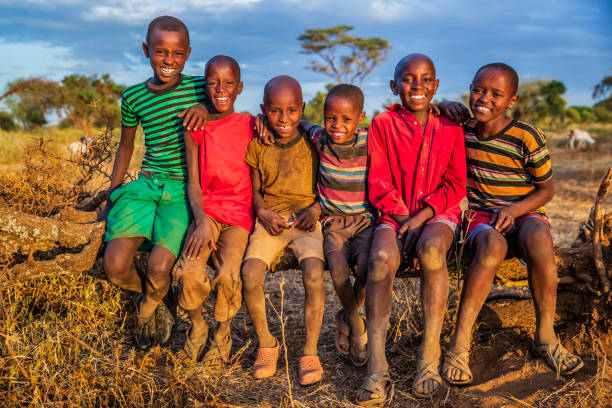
[409, 169]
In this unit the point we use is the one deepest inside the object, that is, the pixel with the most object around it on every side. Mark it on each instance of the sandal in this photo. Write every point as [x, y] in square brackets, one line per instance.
[144, 328]
[555, 355]
[458, 361]
[380, 387]
[429, 372]
[265, 363]
[192, 349]
[359, 348]
[218, 352]
[165, 317]
[310, 370]
[343, 331]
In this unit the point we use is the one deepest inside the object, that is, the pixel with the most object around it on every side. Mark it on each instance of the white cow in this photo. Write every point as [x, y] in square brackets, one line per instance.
[579, 138]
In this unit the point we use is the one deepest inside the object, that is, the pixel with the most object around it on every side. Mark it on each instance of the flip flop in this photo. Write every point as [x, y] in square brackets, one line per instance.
[459, 361]
[359, 348]
[217, 352]
[192, 349]
[265, 363]
[343, 332]
[310, 370]
[428, 372]
[379, 384]
[554, 355]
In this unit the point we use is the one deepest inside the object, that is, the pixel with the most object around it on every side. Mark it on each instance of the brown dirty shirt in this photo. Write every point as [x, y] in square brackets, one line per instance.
[288, 173]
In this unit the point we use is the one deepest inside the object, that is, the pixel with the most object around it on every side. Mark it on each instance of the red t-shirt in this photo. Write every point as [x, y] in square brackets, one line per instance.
[224, 176]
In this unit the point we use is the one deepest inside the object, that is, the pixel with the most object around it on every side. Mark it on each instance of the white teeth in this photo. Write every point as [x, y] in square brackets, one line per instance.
[222, 99]
[417, 96]
[166, 70]
[283, 128]
[482, 109]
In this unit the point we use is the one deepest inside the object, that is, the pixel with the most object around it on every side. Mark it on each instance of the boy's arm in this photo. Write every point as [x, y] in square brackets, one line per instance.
[196, 117]
[202, 234]
[504, 218]
[272, 222]
[455, 111]
[121, 164]
[307, 126]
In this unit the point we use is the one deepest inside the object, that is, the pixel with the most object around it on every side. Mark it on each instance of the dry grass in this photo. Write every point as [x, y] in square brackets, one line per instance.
[65, 341]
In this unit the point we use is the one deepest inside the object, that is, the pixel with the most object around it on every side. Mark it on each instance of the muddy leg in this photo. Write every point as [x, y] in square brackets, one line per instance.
[314, 303]
[253, 274]
[119, 263]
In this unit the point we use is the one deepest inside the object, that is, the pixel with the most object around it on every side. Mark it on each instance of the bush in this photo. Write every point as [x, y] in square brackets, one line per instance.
[6, 122]
[572, 115]
[602, 114]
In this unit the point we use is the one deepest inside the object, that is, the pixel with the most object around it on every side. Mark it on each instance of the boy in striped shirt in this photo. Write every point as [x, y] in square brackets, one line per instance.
[154, 210]
[346, 214]
[509, 181]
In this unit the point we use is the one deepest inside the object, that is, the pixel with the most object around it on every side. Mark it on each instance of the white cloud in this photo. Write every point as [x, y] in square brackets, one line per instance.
[135, 12]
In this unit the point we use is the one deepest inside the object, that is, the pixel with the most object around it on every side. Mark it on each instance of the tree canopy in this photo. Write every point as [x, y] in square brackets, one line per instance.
[360, 57]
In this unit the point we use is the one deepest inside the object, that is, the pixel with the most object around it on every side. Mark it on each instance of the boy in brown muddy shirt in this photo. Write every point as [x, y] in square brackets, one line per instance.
[285, 203]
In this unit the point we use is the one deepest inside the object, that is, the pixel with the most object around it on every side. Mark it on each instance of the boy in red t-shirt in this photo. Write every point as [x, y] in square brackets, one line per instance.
[220, 196]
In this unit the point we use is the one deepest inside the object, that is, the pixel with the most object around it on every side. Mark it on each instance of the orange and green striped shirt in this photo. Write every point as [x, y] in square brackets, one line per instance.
[503, 169]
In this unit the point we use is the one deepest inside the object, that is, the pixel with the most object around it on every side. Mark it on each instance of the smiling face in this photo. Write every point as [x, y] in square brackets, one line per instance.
[341, 118]
[491, 93]
[167, 51]
[283, 107]
[223, 84]
[415, 82]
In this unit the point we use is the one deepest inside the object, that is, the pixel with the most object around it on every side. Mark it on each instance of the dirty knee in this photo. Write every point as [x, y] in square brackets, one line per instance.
[431, 254]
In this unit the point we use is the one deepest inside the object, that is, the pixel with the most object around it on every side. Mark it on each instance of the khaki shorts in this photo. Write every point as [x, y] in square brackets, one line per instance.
[194, 282]
[266, 247]
[351, 235]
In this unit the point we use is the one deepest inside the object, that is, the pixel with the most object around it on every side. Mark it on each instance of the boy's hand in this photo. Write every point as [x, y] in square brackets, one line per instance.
[272, 222]
[195, 117]
[201, 237]
[409, 232]
[307, 218]
[503, 220]
[264, 134]
[433, 108]
[455, 111]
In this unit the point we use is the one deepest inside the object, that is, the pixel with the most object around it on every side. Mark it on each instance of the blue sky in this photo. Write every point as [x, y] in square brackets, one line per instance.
[567, 40]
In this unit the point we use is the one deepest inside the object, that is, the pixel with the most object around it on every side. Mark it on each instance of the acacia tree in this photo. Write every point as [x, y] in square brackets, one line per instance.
[31, 99]
[603, 91]
[85, 98]
[346, 59]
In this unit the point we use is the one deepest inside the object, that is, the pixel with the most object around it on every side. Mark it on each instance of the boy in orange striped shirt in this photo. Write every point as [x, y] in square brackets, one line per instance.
[509, 181]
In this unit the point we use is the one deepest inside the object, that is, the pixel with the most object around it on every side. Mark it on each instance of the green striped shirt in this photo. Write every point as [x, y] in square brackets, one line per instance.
[156, 111]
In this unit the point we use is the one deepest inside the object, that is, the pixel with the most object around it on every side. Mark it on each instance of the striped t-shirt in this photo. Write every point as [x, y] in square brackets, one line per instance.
[504, 168]
[156, 111]
[343, 179]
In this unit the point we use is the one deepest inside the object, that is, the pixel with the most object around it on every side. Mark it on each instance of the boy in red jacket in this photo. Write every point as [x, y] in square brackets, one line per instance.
[417, 177]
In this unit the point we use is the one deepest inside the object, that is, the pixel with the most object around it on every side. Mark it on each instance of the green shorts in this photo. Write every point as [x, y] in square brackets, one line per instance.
[155, 208]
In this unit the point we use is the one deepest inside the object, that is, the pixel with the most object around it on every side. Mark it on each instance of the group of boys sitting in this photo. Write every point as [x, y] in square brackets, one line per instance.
[238, 190]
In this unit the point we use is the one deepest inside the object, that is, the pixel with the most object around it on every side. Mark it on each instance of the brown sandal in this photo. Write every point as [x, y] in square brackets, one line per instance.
[265, 363]
[192, 349]
[217, 352]
[343, 332]
[310, 370]
[459, 361]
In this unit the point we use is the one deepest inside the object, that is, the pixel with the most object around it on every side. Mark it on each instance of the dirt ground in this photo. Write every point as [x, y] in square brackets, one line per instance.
[506, 372]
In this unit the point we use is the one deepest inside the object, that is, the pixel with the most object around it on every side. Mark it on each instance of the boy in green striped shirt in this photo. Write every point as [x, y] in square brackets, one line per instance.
[154, 209]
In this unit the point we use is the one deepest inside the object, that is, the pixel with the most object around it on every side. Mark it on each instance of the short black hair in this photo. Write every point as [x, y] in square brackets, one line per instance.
[167, 23]
[348, 91]
[400, 64]
[514, 78]
[223, 59]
